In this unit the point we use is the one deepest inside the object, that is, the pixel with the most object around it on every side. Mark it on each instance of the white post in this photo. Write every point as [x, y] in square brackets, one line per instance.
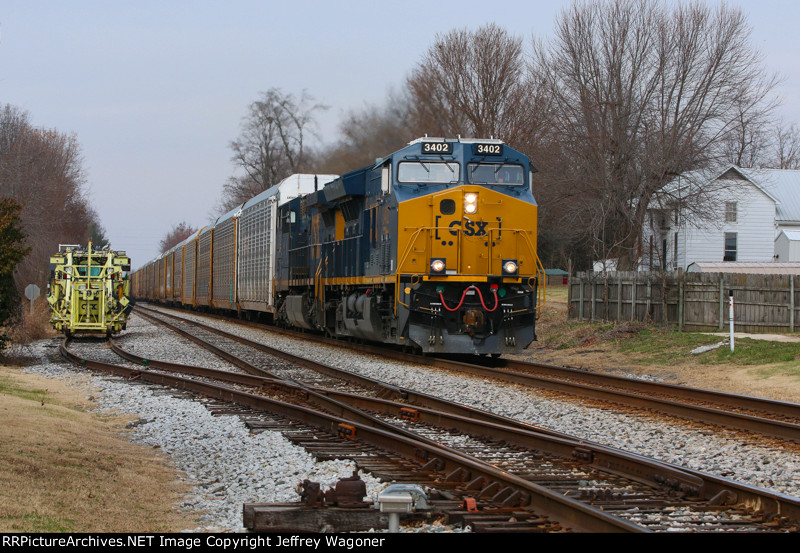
[394, 523]
[730, 309]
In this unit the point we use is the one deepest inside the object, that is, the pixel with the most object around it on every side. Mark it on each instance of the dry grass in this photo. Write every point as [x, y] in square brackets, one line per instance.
[31, 326]
[66, 470]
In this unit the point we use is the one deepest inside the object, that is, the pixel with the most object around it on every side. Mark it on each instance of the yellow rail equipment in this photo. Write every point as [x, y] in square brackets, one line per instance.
[89, 290]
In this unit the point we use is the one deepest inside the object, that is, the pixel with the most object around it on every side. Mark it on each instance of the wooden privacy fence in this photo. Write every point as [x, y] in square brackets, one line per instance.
[690, 301]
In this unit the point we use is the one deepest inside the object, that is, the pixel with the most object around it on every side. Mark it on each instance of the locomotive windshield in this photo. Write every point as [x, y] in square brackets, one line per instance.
[495, 173]
[427, 171]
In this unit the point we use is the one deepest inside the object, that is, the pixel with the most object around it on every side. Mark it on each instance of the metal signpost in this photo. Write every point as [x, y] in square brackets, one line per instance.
[730, 315]
[32, 292]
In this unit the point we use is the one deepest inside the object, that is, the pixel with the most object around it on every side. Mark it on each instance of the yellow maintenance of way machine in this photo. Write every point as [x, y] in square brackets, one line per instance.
[89, 290]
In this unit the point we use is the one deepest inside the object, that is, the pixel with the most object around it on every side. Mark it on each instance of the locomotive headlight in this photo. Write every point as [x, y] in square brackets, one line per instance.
[470, 203]
[437, 266]
[510, 267]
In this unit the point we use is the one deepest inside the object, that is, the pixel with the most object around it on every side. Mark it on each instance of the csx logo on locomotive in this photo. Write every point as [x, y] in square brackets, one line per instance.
[469, 228]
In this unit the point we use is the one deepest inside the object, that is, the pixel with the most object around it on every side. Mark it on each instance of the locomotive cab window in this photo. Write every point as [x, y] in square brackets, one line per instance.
[428, 172]
[495, 173]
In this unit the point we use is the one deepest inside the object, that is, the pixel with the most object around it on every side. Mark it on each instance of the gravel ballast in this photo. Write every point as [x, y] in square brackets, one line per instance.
[229, 466]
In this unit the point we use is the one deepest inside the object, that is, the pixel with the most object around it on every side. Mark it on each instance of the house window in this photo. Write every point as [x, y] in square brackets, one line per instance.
[730, 247]
[730, 212]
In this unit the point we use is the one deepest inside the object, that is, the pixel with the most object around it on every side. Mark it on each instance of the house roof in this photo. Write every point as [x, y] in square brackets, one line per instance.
[780, 185]
[791, 234]
[743, 267]
[703, 177]
[755, 180]
[784, 185]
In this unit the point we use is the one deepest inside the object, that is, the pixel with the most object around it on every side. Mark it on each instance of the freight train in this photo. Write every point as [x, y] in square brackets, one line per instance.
[89, 290]
[432, 247]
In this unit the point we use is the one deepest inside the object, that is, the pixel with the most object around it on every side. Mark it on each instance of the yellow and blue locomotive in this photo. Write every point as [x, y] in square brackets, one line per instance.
[433, 247]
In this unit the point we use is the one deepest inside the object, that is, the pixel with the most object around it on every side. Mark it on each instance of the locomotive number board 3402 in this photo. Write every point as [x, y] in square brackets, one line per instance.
[489, 149]
[437, 147]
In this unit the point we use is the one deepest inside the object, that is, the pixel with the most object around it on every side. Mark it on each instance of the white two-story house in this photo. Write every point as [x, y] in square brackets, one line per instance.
[737, 215]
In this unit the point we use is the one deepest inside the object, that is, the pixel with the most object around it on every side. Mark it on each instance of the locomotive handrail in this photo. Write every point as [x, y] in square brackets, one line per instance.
[542, 284]
[411, 243]
[542, 279]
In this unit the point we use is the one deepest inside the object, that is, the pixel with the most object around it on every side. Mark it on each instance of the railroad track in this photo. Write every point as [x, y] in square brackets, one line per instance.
[519, 467]
[743, 413]
[764, 416]
[350, 437]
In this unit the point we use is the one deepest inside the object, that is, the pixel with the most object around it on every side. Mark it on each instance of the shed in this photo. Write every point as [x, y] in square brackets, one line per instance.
[787, 246]
[556, 276]
[742, 267]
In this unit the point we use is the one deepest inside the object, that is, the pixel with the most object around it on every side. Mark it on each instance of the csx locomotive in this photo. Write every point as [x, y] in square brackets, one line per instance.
[89, 290]
[432, 247]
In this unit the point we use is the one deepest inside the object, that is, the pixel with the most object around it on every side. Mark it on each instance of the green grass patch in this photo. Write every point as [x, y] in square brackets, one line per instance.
[780, 370]
[757, 352]
[652, 345]
[7, 386]
[556, 293]
[33, 523]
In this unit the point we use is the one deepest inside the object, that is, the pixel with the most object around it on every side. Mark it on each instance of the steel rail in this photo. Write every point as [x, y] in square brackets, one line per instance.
[709, 415]
[387, 390]
[472, 421]
[568, 512]
[779, 408]
[629, 465]
[653, 473]
[785, 430]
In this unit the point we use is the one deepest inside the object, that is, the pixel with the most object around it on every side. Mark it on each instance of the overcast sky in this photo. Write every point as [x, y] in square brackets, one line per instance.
[156, 90]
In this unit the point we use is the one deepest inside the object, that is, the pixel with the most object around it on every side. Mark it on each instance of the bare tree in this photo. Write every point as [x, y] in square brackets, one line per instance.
[472, 83]
[42, 170]
[236, 191]
[178, 234]
[787, 146]
[641, 94]
[368, 134]
[272, 144]
[749, 142]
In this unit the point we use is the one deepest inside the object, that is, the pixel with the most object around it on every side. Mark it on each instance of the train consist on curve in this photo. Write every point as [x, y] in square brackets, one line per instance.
[432, 247]
[89, 290]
